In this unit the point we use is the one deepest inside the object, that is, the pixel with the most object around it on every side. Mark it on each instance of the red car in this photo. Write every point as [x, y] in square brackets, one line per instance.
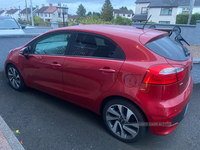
[135, 78]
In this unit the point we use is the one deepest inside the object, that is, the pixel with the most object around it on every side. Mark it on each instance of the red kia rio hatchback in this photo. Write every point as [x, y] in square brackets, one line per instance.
[135, 78]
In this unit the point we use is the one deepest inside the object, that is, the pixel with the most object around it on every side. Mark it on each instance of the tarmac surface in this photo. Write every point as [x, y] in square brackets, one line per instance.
[48, 123]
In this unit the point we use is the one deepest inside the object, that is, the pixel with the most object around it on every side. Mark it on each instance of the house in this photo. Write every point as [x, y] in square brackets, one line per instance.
[25, 16]
[72, 17]
[123, 13]
[162, 11]
[14, 13]
[53, 14]
[40, 12]
[2, 12]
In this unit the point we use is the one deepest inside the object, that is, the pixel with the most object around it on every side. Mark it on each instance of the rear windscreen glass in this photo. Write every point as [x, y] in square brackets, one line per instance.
[167, 48]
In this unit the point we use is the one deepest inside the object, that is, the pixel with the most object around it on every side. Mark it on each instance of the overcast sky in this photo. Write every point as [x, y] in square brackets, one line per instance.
[90, 5]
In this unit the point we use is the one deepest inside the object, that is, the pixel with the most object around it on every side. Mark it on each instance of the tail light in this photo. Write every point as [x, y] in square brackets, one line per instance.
[164, 74]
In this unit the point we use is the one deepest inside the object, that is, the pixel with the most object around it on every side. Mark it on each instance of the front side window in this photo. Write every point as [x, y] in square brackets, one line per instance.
[52, 45]
[166, 11]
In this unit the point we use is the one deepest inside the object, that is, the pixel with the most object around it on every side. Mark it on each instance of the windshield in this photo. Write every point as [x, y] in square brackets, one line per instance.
[8, 23]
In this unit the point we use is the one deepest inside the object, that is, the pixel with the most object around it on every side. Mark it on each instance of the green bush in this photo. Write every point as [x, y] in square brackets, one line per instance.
[194, 18]
[122, 21]
[23, 22]
[93, 20]
[38, 20]
[183, 18]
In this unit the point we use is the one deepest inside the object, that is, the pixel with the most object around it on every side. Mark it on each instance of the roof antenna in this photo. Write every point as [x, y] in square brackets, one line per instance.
[145, 23]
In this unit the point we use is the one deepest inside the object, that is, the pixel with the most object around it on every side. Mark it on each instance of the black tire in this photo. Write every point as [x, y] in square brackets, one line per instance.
[126, 128]
[15, 79]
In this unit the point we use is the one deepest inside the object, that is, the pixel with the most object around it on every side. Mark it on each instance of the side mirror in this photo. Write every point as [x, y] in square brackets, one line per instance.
[23, 26]
[26, 52]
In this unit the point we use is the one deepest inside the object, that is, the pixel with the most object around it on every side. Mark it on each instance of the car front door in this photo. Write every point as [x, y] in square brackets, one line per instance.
[44, 67]
[91, 68]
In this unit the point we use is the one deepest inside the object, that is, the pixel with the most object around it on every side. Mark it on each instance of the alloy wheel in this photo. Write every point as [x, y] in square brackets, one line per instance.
[14, 77]
[122, 121]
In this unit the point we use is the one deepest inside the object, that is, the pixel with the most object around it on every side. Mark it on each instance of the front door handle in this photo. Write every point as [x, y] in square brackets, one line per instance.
[107, 70]
[55, 65]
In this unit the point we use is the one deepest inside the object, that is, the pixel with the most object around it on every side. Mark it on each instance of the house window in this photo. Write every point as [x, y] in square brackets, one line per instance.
[164, 22]
[45, 15]
[41, 14]
[128, 15]
[49, 14]
[123, 14]
[144, 10]
[59, 14]
[185, 11]
[166, 11]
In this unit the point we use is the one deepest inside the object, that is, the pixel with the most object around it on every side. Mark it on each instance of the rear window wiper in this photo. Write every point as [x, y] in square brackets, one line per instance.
[179, 39]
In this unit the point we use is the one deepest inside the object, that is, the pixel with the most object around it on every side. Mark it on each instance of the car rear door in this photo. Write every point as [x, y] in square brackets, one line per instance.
[91, 68]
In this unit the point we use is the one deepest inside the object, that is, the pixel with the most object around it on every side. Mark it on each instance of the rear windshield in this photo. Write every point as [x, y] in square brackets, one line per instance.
[169, 49]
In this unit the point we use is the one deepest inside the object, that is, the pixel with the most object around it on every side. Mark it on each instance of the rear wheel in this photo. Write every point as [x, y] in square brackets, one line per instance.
[123, 119]
[14, 77]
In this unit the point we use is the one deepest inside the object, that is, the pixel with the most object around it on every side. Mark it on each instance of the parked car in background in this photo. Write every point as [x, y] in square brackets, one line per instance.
[9, 26]
[135, 78]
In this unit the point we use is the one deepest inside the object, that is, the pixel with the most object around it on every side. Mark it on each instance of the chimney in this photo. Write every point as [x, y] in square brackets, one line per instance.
[50, 5]
[59, 4]
[36, 6]
[43, 5]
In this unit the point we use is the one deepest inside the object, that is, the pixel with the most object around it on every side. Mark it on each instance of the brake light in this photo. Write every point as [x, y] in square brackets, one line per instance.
[164, 74]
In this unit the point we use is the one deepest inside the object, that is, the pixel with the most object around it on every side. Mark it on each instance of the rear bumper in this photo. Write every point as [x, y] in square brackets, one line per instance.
[166, 115]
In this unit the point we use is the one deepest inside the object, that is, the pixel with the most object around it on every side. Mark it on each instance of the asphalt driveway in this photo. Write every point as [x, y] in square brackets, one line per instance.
[48, 123]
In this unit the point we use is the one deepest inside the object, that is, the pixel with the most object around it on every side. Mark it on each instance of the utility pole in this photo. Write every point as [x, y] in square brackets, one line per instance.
[32, 13]
[26, 10]
[190, 10]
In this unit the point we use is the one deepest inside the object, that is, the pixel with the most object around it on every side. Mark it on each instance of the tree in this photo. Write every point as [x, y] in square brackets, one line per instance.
[107, 11]
[124, 7]
[89, 13]
[80, 12]
[97, 14]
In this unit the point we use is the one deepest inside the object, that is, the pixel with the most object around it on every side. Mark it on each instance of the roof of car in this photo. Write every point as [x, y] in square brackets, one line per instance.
[128, 32]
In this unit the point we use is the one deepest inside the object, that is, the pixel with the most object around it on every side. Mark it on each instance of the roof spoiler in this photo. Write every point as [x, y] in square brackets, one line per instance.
[177, 30]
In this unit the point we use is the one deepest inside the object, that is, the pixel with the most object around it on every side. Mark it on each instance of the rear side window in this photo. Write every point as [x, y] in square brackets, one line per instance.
[167, 48]
[96, 46]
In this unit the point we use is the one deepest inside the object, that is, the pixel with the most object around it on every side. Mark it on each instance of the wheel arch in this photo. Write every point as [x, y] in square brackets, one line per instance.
[107, 99]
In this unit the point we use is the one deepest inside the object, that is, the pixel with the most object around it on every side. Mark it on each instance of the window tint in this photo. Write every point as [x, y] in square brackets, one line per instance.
[90, 45]
[167, 48]
[52, 45]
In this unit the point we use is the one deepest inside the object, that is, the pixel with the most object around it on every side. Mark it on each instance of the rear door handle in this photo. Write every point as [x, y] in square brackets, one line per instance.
[107, 70]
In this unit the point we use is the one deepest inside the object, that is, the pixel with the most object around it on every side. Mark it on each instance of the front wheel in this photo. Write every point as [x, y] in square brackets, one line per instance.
[14, 77]
[123, 119]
